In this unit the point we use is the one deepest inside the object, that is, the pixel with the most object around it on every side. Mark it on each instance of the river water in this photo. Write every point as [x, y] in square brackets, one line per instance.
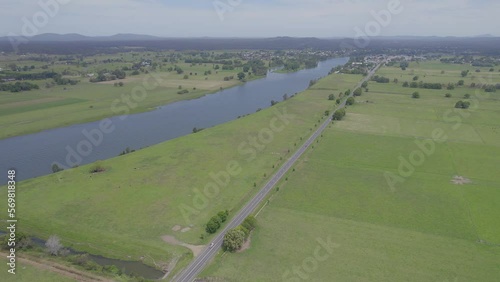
[33, 155]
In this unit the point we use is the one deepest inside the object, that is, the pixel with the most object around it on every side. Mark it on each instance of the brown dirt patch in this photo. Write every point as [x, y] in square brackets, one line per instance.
[196, 249]
[176, 228]
[245, 245]
[460, 180]
[184, 230]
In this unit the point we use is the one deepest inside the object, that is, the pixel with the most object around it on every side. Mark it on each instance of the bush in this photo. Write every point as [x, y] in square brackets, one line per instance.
[467, 96]
[184, 91]
[97, 168]
[447, 95]
[415, 95]
[462, 105]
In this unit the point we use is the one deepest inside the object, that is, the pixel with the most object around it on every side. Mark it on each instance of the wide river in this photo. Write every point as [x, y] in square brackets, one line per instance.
[33, 155]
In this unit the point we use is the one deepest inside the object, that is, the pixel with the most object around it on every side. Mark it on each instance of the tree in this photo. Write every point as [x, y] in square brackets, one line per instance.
[350, 101]
[448, 95]
[465, 73]
[415, 95]
[241, 75]
[186, 76]
[461, 82]
[339, 114]
[120, 84]
[358, 92]
[213, 225]
[331, 97]
[406, 84]
[53, 245]
[250, 223]
[365, 84]
[347, 92]
[246, 68]
[233, 240]
[415, 78]
[467, 96]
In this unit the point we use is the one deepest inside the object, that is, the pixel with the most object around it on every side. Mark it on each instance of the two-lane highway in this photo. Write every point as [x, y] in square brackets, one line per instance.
[197, 265]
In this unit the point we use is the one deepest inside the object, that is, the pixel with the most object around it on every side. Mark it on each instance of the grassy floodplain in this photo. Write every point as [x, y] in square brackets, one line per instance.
[124, 211]
[424, 229]
[64, 105]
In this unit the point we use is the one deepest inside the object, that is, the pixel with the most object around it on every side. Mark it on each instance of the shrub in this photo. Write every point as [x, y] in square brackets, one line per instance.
[447, 95]
[97, 168]
[415, 95]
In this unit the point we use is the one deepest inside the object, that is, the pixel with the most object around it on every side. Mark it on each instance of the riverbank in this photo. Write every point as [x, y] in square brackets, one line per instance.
[124, 211]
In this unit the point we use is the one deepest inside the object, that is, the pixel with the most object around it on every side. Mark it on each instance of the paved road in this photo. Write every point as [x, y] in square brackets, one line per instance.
[197, 265]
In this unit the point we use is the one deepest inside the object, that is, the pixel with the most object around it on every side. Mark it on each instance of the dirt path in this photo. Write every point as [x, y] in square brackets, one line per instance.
[64, 270]
[173, 241]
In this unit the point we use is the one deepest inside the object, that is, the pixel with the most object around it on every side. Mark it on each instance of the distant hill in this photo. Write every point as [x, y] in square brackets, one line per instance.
[73, 37]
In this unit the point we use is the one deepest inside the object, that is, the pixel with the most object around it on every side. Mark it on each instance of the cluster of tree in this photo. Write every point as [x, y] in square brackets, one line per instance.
[227, 67]
[258, 67]
[462, 105]
[83, 261]
[381, 79]
[491, 88]
[30, 76]
[18, 86]
[228, 78]
[105, 75]
[65, 81]
[22, 242]
[216, 221]
[234, 238]
[421, 84]
[339, 114]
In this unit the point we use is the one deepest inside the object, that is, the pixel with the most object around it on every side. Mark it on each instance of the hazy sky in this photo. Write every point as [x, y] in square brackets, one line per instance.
[248, 18]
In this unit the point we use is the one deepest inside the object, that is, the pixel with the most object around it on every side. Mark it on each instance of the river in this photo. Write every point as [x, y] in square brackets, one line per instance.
[33, 155]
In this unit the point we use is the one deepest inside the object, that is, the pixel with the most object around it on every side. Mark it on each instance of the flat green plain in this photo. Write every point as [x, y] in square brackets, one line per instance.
[422, 228]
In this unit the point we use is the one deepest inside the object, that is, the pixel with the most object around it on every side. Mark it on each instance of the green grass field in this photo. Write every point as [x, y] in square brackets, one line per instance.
[123, 212]
[424, 229]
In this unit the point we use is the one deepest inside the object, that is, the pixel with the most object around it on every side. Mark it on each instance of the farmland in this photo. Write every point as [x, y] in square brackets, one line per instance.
[435, 221]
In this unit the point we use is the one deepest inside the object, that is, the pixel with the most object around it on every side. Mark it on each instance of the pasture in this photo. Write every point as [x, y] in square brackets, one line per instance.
[421, 226]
